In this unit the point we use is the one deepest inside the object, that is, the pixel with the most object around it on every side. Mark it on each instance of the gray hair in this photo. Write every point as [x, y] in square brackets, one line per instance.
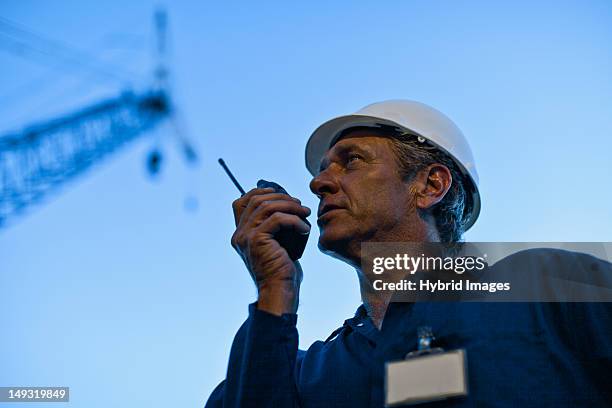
[414, 154]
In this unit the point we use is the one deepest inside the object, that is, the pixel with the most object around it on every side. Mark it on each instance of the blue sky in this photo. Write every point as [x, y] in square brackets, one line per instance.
[112, 288]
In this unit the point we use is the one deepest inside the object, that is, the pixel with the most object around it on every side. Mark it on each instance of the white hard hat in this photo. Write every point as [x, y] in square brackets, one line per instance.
[407, 116]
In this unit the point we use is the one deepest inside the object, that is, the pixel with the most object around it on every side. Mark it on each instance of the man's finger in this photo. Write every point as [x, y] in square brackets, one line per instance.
[278, 220]
[240, 203]
[244, 208]
[266, 208]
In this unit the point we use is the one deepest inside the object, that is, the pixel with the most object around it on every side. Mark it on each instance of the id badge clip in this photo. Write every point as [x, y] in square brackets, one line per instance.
[426, 374]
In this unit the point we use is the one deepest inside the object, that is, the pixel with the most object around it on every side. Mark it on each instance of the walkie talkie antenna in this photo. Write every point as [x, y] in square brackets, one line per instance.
[231, 176]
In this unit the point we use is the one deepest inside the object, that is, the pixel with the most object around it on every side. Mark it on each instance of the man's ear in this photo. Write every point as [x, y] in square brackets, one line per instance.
[431, 185]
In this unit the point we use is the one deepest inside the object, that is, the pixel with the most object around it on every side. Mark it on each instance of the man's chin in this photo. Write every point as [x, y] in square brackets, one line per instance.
[330, 238]
[338, 245]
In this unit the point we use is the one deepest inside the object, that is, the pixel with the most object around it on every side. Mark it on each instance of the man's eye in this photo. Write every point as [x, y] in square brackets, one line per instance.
[353, 157]
[353, 160]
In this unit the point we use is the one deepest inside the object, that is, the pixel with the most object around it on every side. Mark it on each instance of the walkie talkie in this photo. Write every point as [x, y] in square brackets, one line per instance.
[293, 242]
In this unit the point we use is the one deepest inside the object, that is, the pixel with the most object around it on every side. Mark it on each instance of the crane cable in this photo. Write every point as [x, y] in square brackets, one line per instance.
[23, 42]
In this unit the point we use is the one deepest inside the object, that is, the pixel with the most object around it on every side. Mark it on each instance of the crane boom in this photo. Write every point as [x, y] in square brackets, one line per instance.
[36, 161]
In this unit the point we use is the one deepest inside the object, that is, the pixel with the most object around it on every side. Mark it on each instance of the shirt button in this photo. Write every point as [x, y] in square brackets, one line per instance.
[359, 324]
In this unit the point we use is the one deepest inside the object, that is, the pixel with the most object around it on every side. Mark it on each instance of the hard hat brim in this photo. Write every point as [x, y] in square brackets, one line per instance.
[326, 135]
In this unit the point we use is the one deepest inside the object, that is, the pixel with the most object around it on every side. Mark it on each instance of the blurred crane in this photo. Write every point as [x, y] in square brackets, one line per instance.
[37, 160]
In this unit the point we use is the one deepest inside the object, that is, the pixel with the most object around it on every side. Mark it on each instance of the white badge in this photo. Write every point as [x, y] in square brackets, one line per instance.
[426, 375]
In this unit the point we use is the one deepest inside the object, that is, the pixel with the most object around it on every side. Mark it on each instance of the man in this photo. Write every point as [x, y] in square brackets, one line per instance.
[396, 171]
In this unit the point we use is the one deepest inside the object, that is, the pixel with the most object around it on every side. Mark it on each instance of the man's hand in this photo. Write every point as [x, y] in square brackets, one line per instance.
[259, 214]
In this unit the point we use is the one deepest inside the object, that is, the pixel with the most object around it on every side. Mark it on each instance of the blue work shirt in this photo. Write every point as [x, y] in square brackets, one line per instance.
[518, 354]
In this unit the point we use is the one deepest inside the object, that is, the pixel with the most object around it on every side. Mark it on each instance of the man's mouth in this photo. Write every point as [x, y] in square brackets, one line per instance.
[328, 208]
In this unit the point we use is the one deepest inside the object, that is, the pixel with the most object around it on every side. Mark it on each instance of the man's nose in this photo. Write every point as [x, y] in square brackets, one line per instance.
[323, 183]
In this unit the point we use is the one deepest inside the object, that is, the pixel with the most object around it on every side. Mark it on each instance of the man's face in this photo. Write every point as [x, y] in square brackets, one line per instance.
[362, 195]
